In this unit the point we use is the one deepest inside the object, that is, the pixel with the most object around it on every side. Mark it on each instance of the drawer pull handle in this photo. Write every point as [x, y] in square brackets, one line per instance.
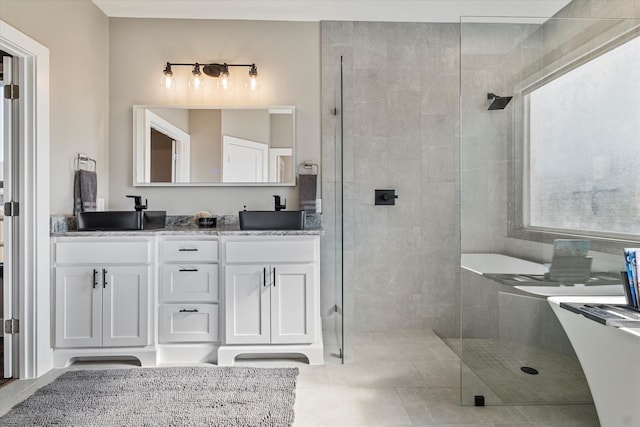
[188, 250]
[104, 278]
[264, 276]
[95, 279]
[274, 277]
[188, 269]
[184, 310]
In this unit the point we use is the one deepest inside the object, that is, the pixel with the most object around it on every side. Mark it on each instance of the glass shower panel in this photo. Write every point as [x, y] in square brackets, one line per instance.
[332, 218]
[532, 172]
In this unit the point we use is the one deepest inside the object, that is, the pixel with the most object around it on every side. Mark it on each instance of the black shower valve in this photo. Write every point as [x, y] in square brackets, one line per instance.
[385, 197]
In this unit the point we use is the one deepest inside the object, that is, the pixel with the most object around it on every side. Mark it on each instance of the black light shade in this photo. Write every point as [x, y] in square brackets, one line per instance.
[499, 102]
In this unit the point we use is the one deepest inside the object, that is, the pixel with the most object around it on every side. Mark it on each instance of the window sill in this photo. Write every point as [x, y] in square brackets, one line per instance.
[609, 243]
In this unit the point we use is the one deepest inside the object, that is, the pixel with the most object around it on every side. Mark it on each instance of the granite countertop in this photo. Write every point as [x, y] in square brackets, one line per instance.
[191, 231]
[64, 225]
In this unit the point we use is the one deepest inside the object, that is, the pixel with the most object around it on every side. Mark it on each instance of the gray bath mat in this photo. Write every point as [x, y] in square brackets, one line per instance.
[181, 396]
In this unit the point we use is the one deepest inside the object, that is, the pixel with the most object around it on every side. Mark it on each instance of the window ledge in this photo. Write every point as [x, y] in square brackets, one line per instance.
[608, 243]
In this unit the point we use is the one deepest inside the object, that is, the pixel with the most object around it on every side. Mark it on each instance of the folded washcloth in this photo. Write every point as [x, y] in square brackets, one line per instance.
[84, 191]
[307, 186]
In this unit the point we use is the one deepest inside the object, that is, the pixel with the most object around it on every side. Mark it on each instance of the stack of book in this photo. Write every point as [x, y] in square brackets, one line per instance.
[630, 277]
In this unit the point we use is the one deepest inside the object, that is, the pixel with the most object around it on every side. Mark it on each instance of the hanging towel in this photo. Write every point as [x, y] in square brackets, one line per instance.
[307, 185]
[84, 191]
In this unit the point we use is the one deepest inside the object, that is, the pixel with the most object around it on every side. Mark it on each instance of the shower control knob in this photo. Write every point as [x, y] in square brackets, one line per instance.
[385, 197]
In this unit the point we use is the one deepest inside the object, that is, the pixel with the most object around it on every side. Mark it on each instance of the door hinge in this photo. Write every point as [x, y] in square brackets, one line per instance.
[11, 92]
[11, 326]
[11, 209]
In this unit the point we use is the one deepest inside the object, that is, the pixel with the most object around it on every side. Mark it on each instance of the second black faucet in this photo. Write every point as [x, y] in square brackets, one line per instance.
[138, 203]
[277, 204]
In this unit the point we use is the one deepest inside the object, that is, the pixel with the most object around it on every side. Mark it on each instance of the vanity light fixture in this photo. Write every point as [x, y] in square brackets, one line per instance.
[220, 71]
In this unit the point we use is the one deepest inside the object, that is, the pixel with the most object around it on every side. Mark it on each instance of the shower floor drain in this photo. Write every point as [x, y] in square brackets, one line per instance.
[528, 370]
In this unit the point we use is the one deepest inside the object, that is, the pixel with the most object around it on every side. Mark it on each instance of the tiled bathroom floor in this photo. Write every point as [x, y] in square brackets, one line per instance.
[391, 378]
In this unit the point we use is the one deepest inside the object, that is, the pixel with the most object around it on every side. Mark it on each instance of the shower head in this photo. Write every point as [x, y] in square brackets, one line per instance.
[499, 102]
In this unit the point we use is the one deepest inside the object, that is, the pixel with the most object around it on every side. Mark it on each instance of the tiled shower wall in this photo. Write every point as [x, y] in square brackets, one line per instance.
[401, 95]
[400, 100]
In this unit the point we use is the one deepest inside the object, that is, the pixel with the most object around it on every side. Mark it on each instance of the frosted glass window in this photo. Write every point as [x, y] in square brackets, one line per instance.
[584, 146]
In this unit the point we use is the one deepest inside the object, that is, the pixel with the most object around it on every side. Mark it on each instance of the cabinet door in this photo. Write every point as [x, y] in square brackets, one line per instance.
[247, 304]
[78, 307]
[292, 304]
[125, 306]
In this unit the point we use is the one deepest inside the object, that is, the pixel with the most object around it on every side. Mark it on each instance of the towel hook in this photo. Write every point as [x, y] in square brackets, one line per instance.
[82, 159]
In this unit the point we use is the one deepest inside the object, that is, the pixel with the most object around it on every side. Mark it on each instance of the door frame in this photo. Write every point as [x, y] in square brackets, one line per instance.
[35, 355]
[247, 146]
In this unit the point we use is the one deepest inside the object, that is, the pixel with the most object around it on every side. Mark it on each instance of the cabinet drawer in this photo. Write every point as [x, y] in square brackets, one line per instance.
[189, 250]
[289, 250]
[188, 323]
[189, 283]
[112, 252]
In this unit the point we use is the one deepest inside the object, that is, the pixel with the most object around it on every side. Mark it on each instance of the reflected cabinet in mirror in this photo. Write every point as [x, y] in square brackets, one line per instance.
[213, 145]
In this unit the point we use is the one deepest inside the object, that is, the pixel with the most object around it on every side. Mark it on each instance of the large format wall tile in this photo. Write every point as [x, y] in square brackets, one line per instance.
[400, 123]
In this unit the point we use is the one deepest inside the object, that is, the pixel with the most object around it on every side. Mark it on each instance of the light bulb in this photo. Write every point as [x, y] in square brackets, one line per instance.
[224, 81]
[253, 77]
[196, 78]
[196, 82]
[167, 78]
[168, 82]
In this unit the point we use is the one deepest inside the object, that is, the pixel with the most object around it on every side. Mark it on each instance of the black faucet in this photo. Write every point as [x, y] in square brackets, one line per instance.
[278, 206]
[138, 203]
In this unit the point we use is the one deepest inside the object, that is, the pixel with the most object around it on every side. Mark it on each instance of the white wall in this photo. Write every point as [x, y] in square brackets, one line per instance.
[287, 55]
[206, 145]
[76, 33]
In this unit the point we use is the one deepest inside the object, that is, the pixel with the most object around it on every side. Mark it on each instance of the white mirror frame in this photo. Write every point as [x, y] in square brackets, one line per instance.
[142, 156]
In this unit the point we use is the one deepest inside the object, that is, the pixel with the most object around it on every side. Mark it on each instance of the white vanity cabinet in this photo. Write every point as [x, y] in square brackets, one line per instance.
[271, 296]
[102, 292]
[189, 295]
[171, 297]
[269, 303]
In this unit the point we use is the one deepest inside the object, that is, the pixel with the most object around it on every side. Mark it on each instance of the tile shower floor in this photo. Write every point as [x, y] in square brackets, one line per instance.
[492, 367]
[391, 378]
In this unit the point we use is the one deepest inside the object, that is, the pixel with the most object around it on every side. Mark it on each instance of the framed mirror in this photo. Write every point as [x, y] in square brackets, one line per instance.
[213, 146]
